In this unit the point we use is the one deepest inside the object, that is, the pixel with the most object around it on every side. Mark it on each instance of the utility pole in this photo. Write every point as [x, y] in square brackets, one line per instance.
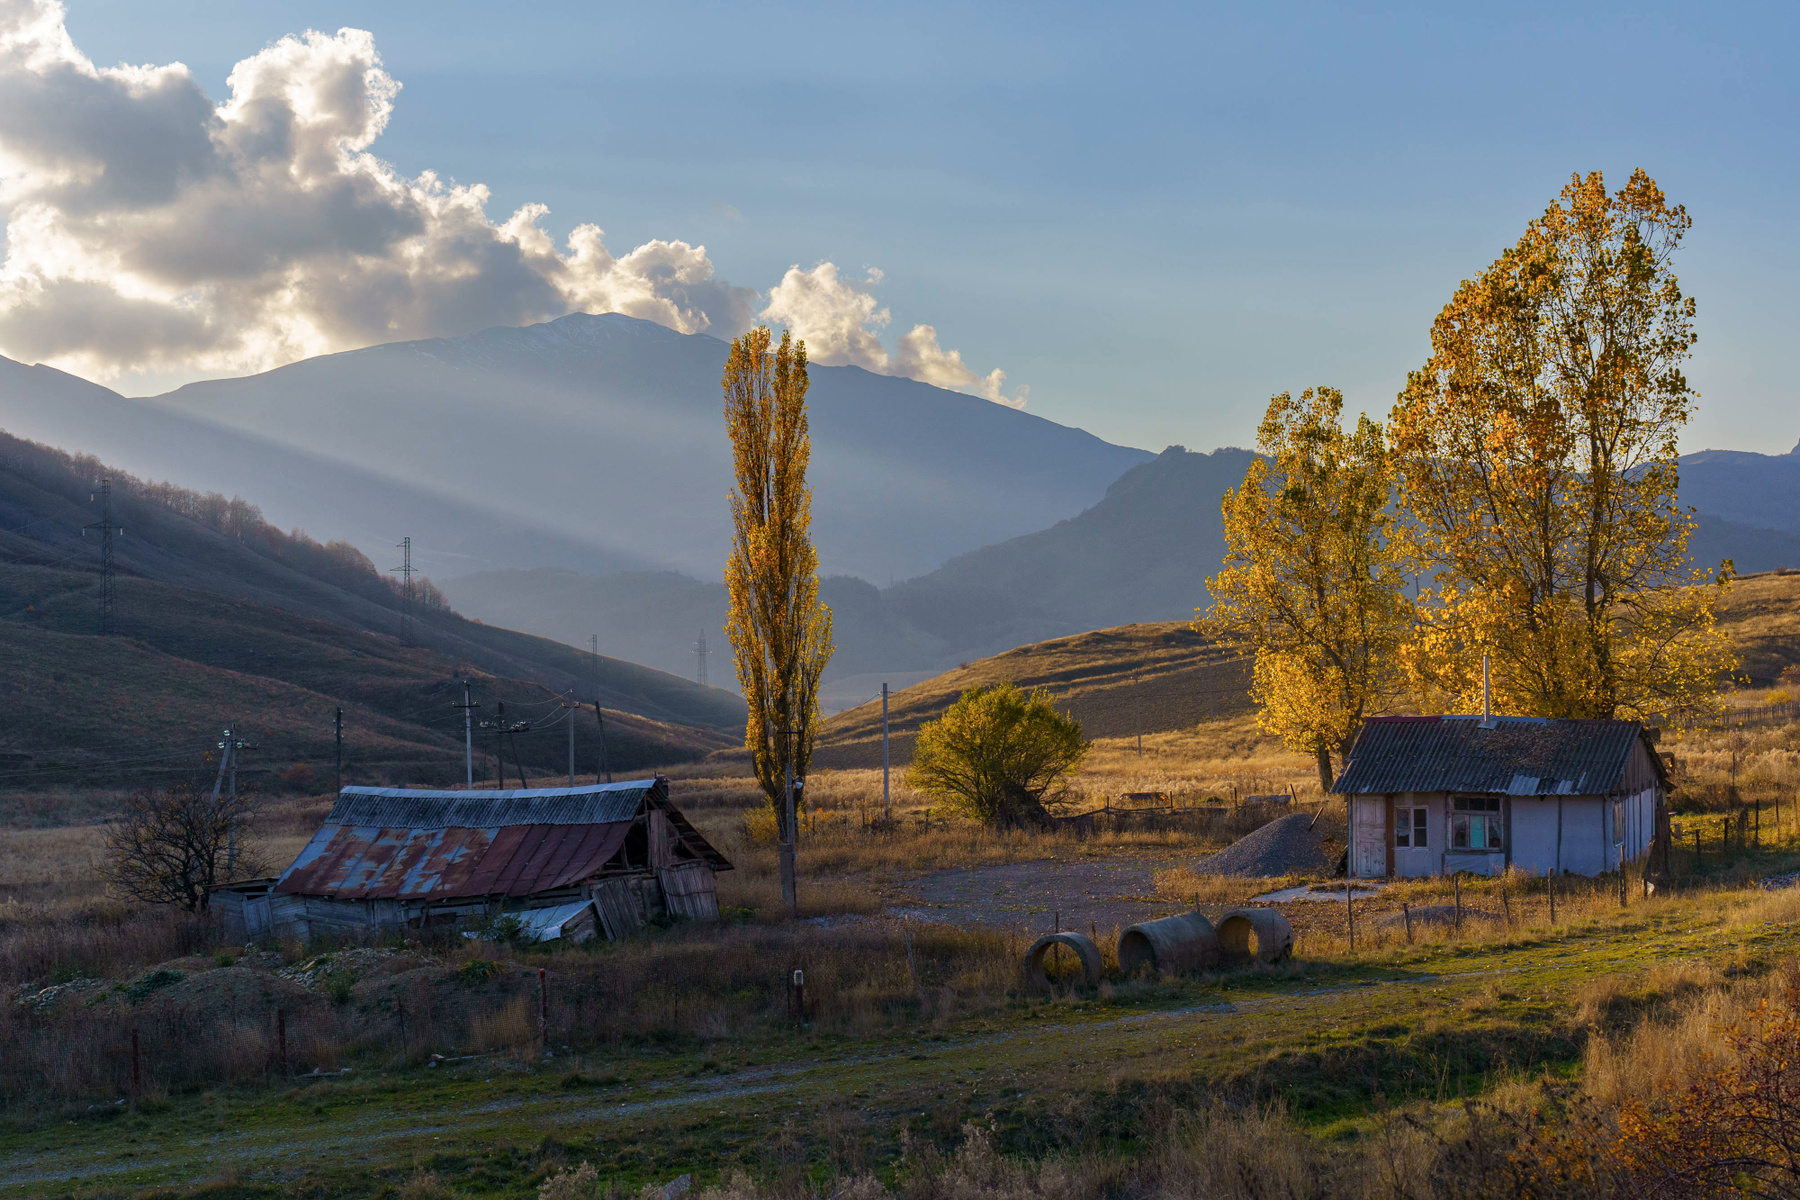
[468, 736]
[107, 530]
[405, 571]
[340, 750]
[605, 762]
[700, 658]
[569, 710]
[225, 754]
[604, 766]
[884, 751]
[228, 770]
[1137, 701]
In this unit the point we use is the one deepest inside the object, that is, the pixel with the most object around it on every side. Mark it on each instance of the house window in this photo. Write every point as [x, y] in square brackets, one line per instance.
[1475, 823]
[1409, 827]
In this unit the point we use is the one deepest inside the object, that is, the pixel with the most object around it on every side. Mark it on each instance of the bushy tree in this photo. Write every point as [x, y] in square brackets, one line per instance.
[1537, 449]
[1314, 580]
[998, 755]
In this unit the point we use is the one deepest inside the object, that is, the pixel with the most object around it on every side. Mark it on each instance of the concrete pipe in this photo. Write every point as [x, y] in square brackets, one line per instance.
[1084, 949]
[1183, 943]
[1246, 934]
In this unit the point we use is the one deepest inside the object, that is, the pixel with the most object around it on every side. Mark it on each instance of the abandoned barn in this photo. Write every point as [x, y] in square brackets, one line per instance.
[1436, 795]
[607, 858]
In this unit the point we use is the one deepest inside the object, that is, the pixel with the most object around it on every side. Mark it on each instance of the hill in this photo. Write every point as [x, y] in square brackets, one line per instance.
[1164, 676]
[1114, 681]
[599, 438]
[146, 706]
[207, 543]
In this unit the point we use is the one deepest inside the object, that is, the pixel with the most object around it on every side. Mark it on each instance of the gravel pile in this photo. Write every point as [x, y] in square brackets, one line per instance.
[1285, 846]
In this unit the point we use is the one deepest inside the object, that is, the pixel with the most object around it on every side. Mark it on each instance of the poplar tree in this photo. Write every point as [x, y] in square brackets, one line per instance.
[1538, 463]
[780, 632]
[1313, 581]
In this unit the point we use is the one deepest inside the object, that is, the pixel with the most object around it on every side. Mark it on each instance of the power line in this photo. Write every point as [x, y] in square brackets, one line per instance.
[700, 656]
[405, 571]
[107, 530]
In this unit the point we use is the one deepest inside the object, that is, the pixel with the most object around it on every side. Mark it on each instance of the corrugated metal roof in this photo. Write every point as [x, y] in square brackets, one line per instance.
[352, 862]
[416, 808]
[412, 844]
[1519, 756]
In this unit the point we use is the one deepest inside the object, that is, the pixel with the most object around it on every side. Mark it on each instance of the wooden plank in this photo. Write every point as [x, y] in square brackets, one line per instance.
[662, 838]
[690, 891]
[617, 907]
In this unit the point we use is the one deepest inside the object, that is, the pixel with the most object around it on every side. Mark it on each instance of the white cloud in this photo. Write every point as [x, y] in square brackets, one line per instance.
[838, 324]
[152, 234]
[150, 230]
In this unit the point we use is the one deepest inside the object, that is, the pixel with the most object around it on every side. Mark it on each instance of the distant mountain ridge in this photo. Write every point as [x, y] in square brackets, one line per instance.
[1141, 554]
[608, 431]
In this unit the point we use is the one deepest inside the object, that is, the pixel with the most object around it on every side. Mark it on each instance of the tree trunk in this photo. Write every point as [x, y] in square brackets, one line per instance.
[1326, 778]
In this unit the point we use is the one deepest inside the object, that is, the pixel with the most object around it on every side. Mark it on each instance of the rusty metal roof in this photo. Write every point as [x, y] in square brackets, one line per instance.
[351, 862]
[418, 808]
[409, 844]
[1519, 756]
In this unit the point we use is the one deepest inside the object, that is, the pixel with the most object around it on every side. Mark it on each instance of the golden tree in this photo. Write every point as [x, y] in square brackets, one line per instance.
[1313, 580]
[780, 633]
[1538, 465]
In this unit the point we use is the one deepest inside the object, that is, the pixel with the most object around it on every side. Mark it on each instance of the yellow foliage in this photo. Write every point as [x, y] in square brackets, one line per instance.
[1537, 450]
[780, 632]
[1313, 580]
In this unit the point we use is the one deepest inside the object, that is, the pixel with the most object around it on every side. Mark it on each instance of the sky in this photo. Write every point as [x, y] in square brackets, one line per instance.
[1142, 220]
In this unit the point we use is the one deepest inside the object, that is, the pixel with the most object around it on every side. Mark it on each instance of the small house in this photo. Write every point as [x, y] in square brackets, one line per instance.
[1436, 795]
[608, 858]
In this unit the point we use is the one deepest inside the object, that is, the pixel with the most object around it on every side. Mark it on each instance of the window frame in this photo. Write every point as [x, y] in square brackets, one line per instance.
[1414, 828]
[1473, 817]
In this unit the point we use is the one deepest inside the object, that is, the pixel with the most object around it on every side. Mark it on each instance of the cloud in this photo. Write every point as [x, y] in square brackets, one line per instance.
[154, 234]
[150, 230]
[838, 322]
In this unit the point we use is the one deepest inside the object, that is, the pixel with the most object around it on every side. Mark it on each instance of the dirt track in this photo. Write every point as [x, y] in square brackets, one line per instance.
[1027, 896]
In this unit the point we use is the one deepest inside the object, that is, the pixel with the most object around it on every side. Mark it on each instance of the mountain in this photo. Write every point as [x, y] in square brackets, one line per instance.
[1142, 553]
[294, 489]
[206, 546]
[607, 431]
[1761, 491]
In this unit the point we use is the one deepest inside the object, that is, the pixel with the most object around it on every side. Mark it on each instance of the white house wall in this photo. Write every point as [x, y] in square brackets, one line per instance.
[1589, 843]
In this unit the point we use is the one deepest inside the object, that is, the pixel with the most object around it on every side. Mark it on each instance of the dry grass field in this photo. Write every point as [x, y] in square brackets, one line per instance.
[923, 1067]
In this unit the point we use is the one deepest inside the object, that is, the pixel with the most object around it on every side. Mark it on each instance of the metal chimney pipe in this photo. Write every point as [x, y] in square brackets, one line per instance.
[1487, 701]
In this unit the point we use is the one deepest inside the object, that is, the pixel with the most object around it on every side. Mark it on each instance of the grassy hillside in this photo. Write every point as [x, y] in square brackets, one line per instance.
[1182, 679]
[212, 544]
[131, 709]
[1165, 675]
[1763, 613]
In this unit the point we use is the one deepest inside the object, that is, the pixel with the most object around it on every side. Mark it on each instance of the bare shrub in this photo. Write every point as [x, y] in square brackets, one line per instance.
[175, 845]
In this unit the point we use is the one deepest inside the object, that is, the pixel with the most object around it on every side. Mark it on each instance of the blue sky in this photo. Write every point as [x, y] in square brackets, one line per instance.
[1154, 216]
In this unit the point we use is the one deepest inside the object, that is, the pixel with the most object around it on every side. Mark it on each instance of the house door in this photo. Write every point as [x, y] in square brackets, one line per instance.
[1369, 837]
[1413, 852]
